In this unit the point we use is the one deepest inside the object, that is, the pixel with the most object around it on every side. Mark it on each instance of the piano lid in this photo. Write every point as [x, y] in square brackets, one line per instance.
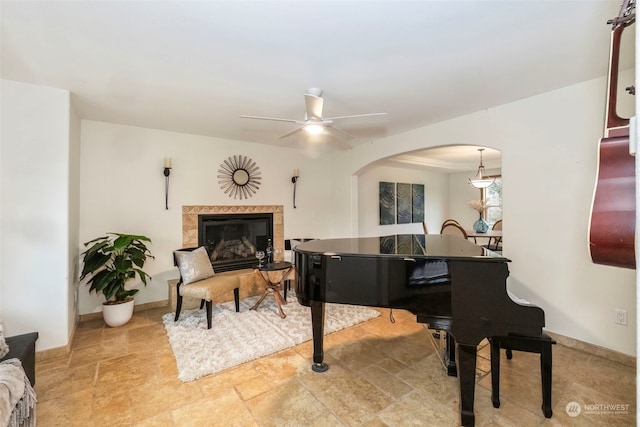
[438, 246]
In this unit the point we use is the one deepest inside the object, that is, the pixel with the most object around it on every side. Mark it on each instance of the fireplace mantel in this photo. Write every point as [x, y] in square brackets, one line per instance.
[190, 220]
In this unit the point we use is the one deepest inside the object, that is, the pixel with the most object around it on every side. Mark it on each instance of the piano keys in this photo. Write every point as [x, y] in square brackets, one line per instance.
[448, 282]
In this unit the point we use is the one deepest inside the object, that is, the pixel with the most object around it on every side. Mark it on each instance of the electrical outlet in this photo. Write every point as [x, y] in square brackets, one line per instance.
[621, 317]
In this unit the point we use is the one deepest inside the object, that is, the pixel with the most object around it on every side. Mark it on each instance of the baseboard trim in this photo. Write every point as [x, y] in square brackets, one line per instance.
[136, 309]
[605, 353]
[593, 349]
[52, 353]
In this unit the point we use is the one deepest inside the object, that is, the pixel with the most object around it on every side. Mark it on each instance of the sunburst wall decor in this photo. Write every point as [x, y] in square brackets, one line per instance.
[239, 177]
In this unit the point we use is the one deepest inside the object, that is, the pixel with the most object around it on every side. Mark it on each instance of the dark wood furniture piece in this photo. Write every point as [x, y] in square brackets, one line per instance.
[470, 301]
[533, 344]
[23, 347]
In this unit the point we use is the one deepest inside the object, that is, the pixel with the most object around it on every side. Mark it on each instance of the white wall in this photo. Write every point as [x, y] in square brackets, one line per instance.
[436, 194]
[34, 201]
[74, 219]
[122, 190]
[551, 266]
[549, 145]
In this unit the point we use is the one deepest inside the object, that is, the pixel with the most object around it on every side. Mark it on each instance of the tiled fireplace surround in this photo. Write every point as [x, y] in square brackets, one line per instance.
[190, 220]
[248, 283]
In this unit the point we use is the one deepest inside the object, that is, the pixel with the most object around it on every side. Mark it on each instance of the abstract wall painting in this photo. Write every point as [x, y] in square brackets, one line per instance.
[404, 203]
[401, 203]
[387, 191]
[417, 198]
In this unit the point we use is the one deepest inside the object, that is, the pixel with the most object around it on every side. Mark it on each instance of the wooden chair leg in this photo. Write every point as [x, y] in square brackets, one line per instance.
[178, 305]
[209, 310]
[236, 297]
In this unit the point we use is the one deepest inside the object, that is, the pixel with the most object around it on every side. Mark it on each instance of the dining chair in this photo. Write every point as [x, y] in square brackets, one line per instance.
[424, 227]
[453, 229]
[498, 240]
[448, 221]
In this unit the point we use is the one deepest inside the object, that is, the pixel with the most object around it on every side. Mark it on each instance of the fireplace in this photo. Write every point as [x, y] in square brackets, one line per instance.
[232, 239]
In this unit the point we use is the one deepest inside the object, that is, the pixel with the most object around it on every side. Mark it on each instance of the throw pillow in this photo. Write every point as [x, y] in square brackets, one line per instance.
[294, 243]
[194, 265]
[4, 348]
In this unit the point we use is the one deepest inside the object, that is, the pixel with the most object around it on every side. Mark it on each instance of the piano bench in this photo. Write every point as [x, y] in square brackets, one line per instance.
[531, 344]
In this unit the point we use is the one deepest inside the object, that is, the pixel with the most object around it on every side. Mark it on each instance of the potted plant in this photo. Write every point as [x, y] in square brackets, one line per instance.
[112, 261]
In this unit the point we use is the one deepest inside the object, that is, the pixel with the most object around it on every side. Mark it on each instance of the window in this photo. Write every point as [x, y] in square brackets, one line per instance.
[492, 196]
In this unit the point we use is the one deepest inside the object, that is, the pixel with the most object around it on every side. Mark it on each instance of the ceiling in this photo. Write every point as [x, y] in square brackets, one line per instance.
[196, 66]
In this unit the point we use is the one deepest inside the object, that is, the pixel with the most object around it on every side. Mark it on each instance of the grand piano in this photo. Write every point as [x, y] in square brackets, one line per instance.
[449, 283]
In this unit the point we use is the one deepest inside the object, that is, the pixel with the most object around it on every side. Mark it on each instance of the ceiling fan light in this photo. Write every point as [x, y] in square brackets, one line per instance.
[314, 129]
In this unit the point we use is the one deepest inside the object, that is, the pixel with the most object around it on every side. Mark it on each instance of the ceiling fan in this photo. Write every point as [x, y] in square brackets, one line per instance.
[314, 123]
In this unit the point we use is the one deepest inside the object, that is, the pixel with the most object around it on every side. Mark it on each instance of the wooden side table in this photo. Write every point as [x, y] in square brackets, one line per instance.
[273, 275]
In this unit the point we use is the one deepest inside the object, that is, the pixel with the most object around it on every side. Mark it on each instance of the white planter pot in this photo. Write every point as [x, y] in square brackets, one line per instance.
[117, 314]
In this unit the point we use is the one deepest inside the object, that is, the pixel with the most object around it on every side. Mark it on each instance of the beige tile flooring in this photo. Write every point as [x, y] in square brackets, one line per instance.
[381, 374]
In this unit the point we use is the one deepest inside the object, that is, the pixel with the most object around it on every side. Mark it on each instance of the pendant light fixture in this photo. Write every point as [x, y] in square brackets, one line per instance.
[481, 180]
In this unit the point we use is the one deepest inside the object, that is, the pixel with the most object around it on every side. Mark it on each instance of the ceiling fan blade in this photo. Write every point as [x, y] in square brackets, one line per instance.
[269, 118]
[314, 106]
[356, 115]
[291, 132]
[342, 134]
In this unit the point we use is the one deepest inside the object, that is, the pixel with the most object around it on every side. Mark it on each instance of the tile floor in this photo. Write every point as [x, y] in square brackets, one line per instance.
[381, 374]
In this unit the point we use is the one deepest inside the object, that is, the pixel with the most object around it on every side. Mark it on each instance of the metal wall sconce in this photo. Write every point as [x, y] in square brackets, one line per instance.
[294, 180]
[167, 172]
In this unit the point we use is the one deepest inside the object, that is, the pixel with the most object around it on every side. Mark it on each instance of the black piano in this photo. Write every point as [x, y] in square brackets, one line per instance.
[448, 282]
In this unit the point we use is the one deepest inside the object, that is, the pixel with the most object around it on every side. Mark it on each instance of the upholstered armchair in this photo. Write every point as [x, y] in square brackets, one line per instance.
[198, 280]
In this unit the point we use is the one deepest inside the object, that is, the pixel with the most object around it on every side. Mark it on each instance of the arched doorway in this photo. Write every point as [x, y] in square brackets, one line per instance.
[444, 171]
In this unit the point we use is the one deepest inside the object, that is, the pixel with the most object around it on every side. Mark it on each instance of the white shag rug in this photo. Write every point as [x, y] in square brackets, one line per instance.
[235, 338]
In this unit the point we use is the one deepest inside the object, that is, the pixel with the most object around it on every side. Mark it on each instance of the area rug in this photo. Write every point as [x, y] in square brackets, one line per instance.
[235, 338]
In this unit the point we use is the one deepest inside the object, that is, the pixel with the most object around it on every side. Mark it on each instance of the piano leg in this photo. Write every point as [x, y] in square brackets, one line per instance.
[452, 371]
[317, 322]
[466, 361]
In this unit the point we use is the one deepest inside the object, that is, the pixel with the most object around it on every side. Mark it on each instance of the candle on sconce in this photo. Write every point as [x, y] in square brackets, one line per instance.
[294, 180]
[167, 162]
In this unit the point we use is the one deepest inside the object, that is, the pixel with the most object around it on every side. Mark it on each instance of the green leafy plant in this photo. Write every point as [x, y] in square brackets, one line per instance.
[112, 261]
